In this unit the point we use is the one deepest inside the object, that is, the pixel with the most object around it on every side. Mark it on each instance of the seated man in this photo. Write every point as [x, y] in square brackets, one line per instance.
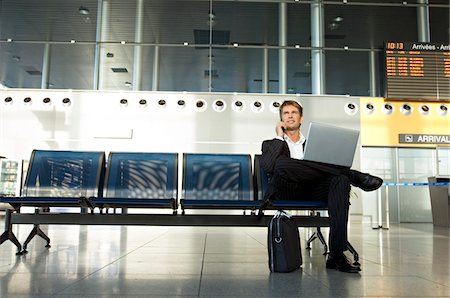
[292, 178]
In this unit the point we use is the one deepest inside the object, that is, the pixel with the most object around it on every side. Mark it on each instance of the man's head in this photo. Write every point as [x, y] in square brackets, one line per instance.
[291, 103]
[291, 113]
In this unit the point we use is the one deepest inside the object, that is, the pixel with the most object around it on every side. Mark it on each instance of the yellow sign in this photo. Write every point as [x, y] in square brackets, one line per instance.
[390, 123]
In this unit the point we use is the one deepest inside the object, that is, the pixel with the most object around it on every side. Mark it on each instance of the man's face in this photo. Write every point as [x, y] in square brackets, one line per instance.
[290, 115]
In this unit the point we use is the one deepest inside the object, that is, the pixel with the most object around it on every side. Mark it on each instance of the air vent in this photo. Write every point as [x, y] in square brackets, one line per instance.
[34, 72]
[119, 69]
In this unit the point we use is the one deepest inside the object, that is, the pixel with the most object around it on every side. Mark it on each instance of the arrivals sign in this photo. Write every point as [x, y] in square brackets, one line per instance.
[423, 139]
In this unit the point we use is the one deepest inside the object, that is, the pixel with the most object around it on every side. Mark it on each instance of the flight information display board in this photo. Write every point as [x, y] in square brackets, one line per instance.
[417, 71]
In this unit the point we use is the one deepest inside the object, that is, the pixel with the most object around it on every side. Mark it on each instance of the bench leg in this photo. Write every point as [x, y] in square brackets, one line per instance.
[36, 231]
[354, 253]
[322, 240]
[9, 235]
[317, 234]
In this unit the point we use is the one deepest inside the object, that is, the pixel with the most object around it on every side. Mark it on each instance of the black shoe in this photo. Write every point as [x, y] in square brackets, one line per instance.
[365, 181]
[341, 263]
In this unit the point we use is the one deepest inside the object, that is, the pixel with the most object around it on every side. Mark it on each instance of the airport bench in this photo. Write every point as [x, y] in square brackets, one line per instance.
[221, 182]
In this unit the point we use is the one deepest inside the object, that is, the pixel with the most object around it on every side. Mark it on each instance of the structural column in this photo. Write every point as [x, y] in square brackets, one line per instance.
[137, 67]
[282, 37]
[46, 66]
[265, 71]
[317, 52]
[373, 78]
[101, 36]
[155, 76]
[423, 21]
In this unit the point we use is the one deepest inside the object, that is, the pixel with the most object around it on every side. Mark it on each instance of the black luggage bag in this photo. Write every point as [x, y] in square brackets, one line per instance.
[283, 243]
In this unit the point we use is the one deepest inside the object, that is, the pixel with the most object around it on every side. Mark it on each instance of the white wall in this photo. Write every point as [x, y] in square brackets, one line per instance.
[95, 120]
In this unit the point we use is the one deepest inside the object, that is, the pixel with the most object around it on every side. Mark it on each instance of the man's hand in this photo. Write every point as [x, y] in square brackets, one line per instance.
[279, 129]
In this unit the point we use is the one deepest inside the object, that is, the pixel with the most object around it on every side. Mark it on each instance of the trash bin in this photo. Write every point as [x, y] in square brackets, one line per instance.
[440, 201]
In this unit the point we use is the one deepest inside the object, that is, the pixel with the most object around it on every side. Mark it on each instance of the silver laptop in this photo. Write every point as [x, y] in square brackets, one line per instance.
[331, 144]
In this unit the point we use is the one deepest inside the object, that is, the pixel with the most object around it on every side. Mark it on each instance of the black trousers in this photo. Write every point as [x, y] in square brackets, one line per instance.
[295, 179]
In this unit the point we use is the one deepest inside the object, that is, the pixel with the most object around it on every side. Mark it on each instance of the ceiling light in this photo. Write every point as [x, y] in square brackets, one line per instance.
[143, 102]
[333, 26]
[27, 100]
[219, 105]
[238, 106]
[351, 109]
[424, 110]
[235, 44]
[406, 109]
[185, 43]
[16, 58]
[338, 19]
[201, 105]
[109, 55]
[443, 110]
[128, 84]
[257, 107]
[161, 103]
[66, 102]
[297, 46]
[46, 101]
[72, 41]
[123, 102]
[8, 100]
[369, 108]
[388, 109]
[83, 10]
[9, 40]
[123, 42]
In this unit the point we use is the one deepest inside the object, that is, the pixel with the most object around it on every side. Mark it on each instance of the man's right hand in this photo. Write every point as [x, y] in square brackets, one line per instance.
[279, 129]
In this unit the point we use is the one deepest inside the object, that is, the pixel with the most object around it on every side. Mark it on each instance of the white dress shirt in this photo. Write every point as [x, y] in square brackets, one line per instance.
[295, 148]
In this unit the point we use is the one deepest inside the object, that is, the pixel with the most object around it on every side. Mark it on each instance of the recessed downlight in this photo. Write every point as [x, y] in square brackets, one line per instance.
[142, 103]
[161, 103]
[351, 108]
[27, 100]
[275, 107]
[8, 100]
[123, 102]
[443, 110]
[406, 109]
[257, 106]
[181, 103]
[219, 105]
[238, 106]
[388, 109]
[200, 105]
[46, 101]
[424, 110]
[66, 102]
[369, 108]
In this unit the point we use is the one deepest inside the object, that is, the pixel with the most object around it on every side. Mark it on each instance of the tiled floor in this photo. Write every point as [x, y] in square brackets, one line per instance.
[408, 260]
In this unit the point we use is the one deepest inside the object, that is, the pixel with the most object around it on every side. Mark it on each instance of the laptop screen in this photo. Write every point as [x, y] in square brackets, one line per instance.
[331, 144]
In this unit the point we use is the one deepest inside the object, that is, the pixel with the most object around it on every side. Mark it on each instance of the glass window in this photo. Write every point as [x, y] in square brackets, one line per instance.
[299, 71]
[21, 65]
[367, 26]
[81, 66]
[347, 72]
[438, 17]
